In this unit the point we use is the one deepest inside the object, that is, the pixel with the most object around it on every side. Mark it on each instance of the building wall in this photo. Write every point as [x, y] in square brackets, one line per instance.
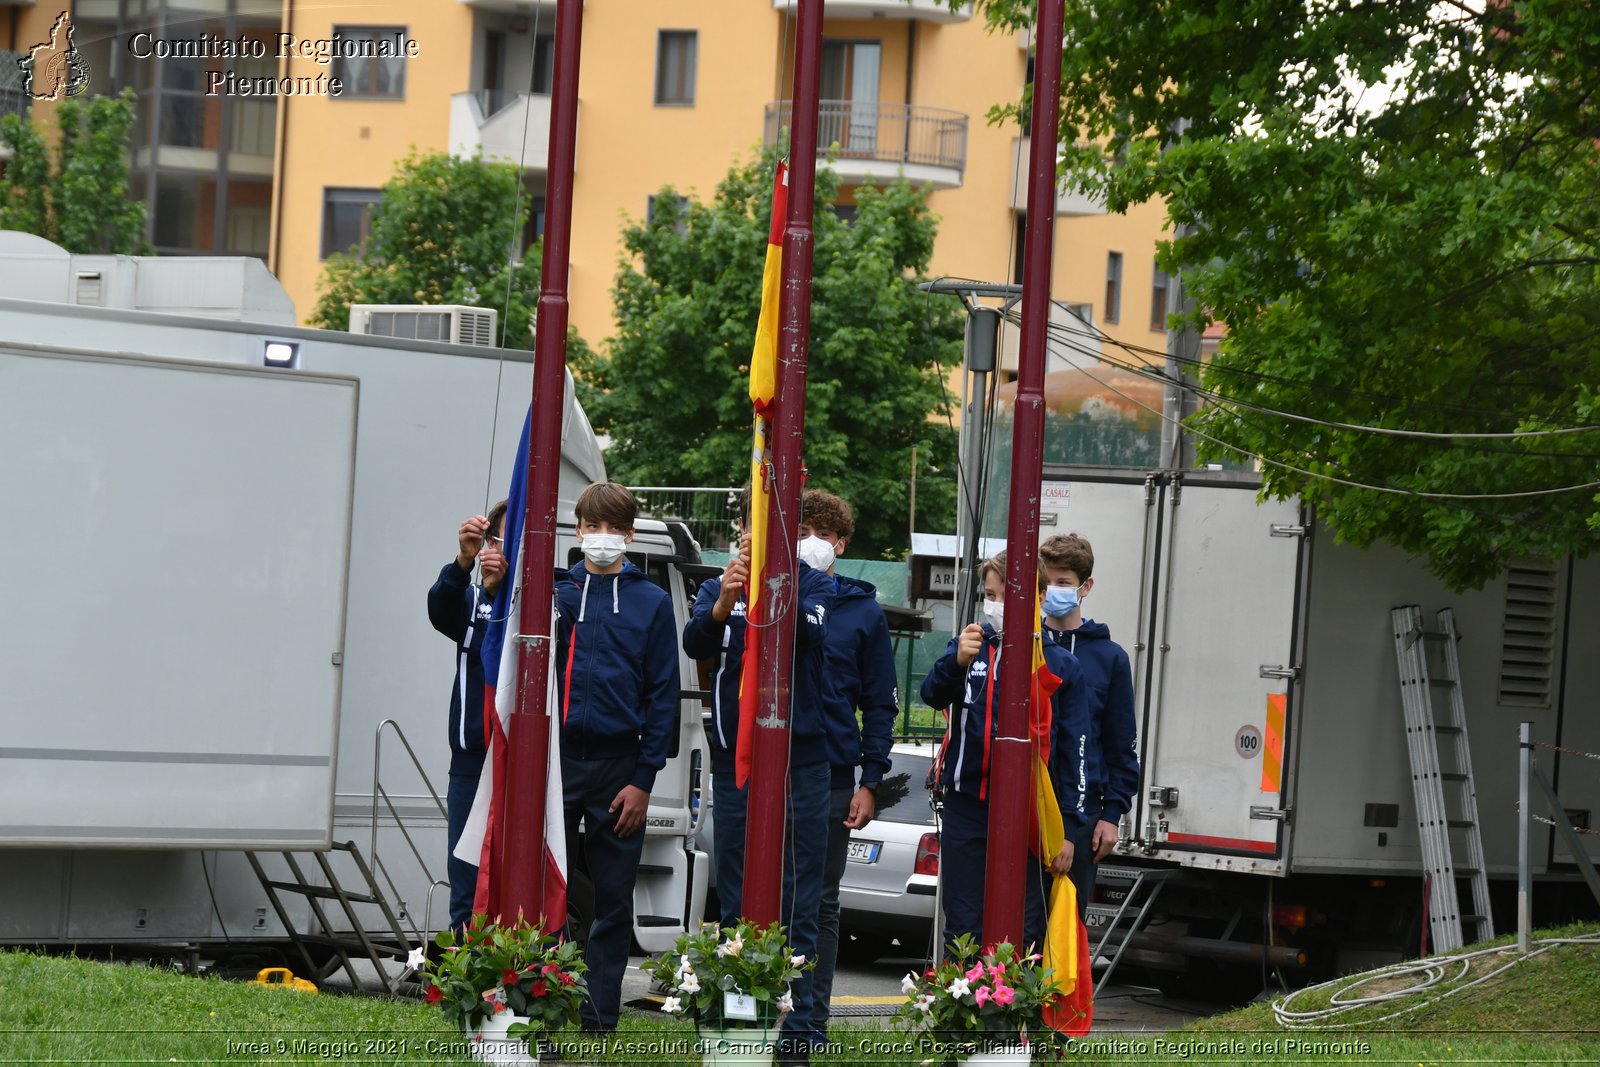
[628, 146]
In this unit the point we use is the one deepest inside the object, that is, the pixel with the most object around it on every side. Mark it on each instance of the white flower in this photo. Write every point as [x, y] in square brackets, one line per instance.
[925, 1003]
[689, 983]
[797, 961]
[416, 959]
[731, 948]
[908, 984]
[672, 1005]
[786, 1001]
[959, 988]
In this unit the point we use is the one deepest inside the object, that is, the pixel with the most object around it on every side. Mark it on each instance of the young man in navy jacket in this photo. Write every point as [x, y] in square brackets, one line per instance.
[460, 608]
[617, 672]
[1113, 757]
[860, 675]
[716, 632]
[966, 679]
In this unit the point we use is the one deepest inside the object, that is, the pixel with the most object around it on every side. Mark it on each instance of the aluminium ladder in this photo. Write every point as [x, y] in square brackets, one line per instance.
[1441, 776]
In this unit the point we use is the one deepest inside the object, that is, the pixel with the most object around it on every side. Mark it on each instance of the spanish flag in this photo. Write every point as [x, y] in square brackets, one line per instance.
[1066, 941]
[763, 393]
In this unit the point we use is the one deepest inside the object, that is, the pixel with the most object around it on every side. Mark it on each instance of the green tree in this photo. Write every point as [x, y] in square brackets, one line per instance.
[78, 199]
[443, 233]
[673, 389]
[1394, 209]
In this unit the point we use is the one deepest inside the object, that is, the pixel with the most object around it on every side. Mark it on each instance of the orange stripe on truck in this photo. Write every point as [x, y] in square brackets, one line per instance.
[1272, 751]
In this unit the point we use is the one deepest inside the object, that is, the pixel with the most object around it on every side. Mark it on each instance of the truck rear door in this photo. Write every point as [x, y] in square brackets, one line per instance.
[1218, 700]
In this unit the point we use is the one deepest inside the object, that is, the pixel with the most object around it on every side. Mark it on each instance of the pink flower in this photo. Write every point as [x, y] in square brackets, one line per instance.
[996, 971]
[1004, 994]
[980, 996]
[976, 974]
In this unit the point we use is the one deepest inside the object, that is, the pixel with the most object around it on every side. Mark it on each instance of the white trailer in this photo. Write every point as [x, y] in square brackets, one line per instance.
[215, 639]
[1275, 772]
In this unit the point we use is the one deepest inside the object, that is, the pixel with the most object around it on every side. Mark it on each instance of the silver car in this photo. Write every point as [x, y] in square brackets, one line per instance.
[892, 876]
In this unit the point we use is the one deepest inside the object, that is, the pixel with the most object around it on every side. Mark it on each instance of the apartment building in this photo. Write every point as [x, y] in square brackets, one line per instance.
[671, 91]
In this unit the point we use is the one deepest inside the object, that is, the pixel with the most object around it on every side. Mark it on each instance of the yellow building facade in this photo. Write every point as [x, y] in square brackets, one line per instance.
[677, 91]
[671, 92]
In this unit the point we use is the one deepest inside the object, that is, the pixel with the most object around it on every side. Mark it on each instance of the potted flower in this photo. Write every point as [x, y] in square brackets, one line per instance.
[979, 1007]
[505, 983]
[734, 983]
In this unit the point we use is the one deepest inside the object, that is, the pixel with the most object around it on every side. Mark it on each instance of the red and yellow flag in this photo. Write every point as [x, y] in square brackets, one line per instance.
[1066, 940]
[763, 393]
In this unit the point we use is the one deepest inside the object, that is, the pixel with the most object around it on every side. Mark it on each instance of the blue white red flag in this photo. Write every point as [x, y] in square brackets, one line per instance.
[483, 838]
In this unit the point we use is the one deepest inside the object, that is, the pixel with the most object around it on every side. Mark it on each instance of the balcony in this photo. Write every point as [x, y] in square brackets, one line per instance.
[922, 10]
[503, 125]
[874, 143]
[1069, 203]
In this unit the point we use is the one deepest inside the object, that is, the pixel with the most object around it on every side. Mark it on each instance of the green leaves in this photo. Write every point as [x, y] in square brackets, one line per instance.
[448, 231]
[671, 389]
[1421, 254]
[81, 201]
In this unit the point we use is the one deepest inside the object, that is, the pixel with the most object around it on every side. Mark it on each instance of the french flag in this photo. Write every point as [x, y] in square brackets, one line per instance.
[483, 838]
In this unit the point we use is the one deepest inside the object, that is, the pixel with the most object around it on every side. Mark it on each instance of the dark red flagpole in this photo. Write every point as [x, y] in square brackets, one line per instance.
[769, 785]
[1010, 773]
[522, 884]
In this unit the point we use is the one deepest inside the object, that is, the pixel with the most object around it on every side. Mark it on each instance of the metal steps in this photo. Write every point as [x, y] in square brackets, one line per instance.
[1113, 926]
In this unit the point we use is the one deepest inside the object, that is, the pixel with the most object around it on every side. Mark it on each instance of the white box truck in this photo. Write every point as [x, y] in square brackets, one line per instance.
[216, 648]
[1275, 773]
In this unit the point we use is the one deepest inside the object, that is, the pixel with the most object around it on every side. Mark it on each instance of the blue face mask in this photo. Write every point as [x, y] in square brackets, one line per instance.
[1059, 601]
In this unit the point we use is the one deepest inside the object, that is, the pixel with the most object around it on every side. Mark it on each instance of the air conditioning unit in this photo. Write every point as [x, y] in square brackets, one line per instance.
[426, 322]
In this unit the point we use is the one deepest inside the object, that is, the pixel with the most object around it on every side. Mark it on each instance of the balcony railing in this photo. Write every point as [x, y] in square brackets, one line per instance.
[13, 101]
[903, 134]
[501, 124]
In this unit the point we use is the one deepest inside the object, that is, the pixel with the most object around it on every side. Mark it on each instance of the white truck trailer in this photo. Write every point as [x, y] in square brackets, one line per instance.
[1275, 771]
[216, 652]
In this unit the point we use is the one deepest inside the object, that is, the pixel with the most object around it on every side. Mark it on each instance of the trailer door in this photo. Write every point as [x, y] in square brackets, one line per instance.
[1223, 663]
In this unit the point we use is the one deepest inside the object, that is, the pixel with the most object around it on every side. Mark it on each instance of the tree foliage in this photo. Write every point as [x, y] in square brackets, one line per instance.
[443, 233]
[673, 389]
[1395, 210]
[76, 192]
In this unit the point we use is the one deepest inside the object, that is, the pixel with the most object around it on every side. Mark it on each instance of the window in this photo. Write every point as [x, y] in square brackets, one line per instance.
[1019, 242]
[378, 66]
[675, 57]
[1158, 298]
[544, 63]
[1113, 286]
[347, 219]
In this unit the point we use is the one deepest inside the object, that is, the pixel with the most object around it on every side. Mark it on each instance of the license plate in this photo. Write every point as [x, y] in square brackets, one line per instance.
[863, 851]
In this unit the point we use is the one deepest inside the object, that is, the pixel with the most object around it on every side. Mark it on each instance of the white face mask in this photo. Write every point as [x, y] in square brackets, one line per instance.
[602, 549]
[816, 553]
[994, 612]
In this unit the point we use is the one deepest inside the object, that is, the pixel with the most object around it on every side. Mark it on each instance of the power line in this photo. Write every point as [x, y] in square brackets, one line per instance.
[1379, 488]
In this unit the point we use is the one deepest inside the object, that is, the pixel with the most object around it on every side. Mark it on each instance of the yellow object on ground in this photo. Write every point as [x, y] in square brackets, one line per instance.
[283, 978]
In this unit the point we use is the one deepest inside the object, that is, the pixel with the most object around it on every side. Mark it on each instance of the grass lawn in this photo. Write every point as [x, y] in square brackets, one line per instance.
[57, 1009]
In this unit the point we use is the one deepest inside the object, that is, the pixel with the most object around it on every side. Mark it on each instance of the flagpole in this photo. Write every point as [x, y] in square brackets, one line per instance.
[521, 889]
[763, 876]
[1010, 773]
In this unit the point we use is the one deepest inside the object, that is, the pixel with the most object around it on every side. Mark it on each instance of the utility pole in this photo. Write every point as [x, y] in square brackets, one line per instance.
[521, 889]
[768, 783]
[1010, 780]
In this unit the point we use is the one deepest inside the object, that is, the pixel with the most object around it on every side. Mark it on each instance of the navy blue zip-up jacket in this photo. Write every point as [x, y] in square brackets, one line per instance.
[459, 609]
[617, 669]
[1113, 743]
[859, 675]
[977, 721]
[706, 639]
